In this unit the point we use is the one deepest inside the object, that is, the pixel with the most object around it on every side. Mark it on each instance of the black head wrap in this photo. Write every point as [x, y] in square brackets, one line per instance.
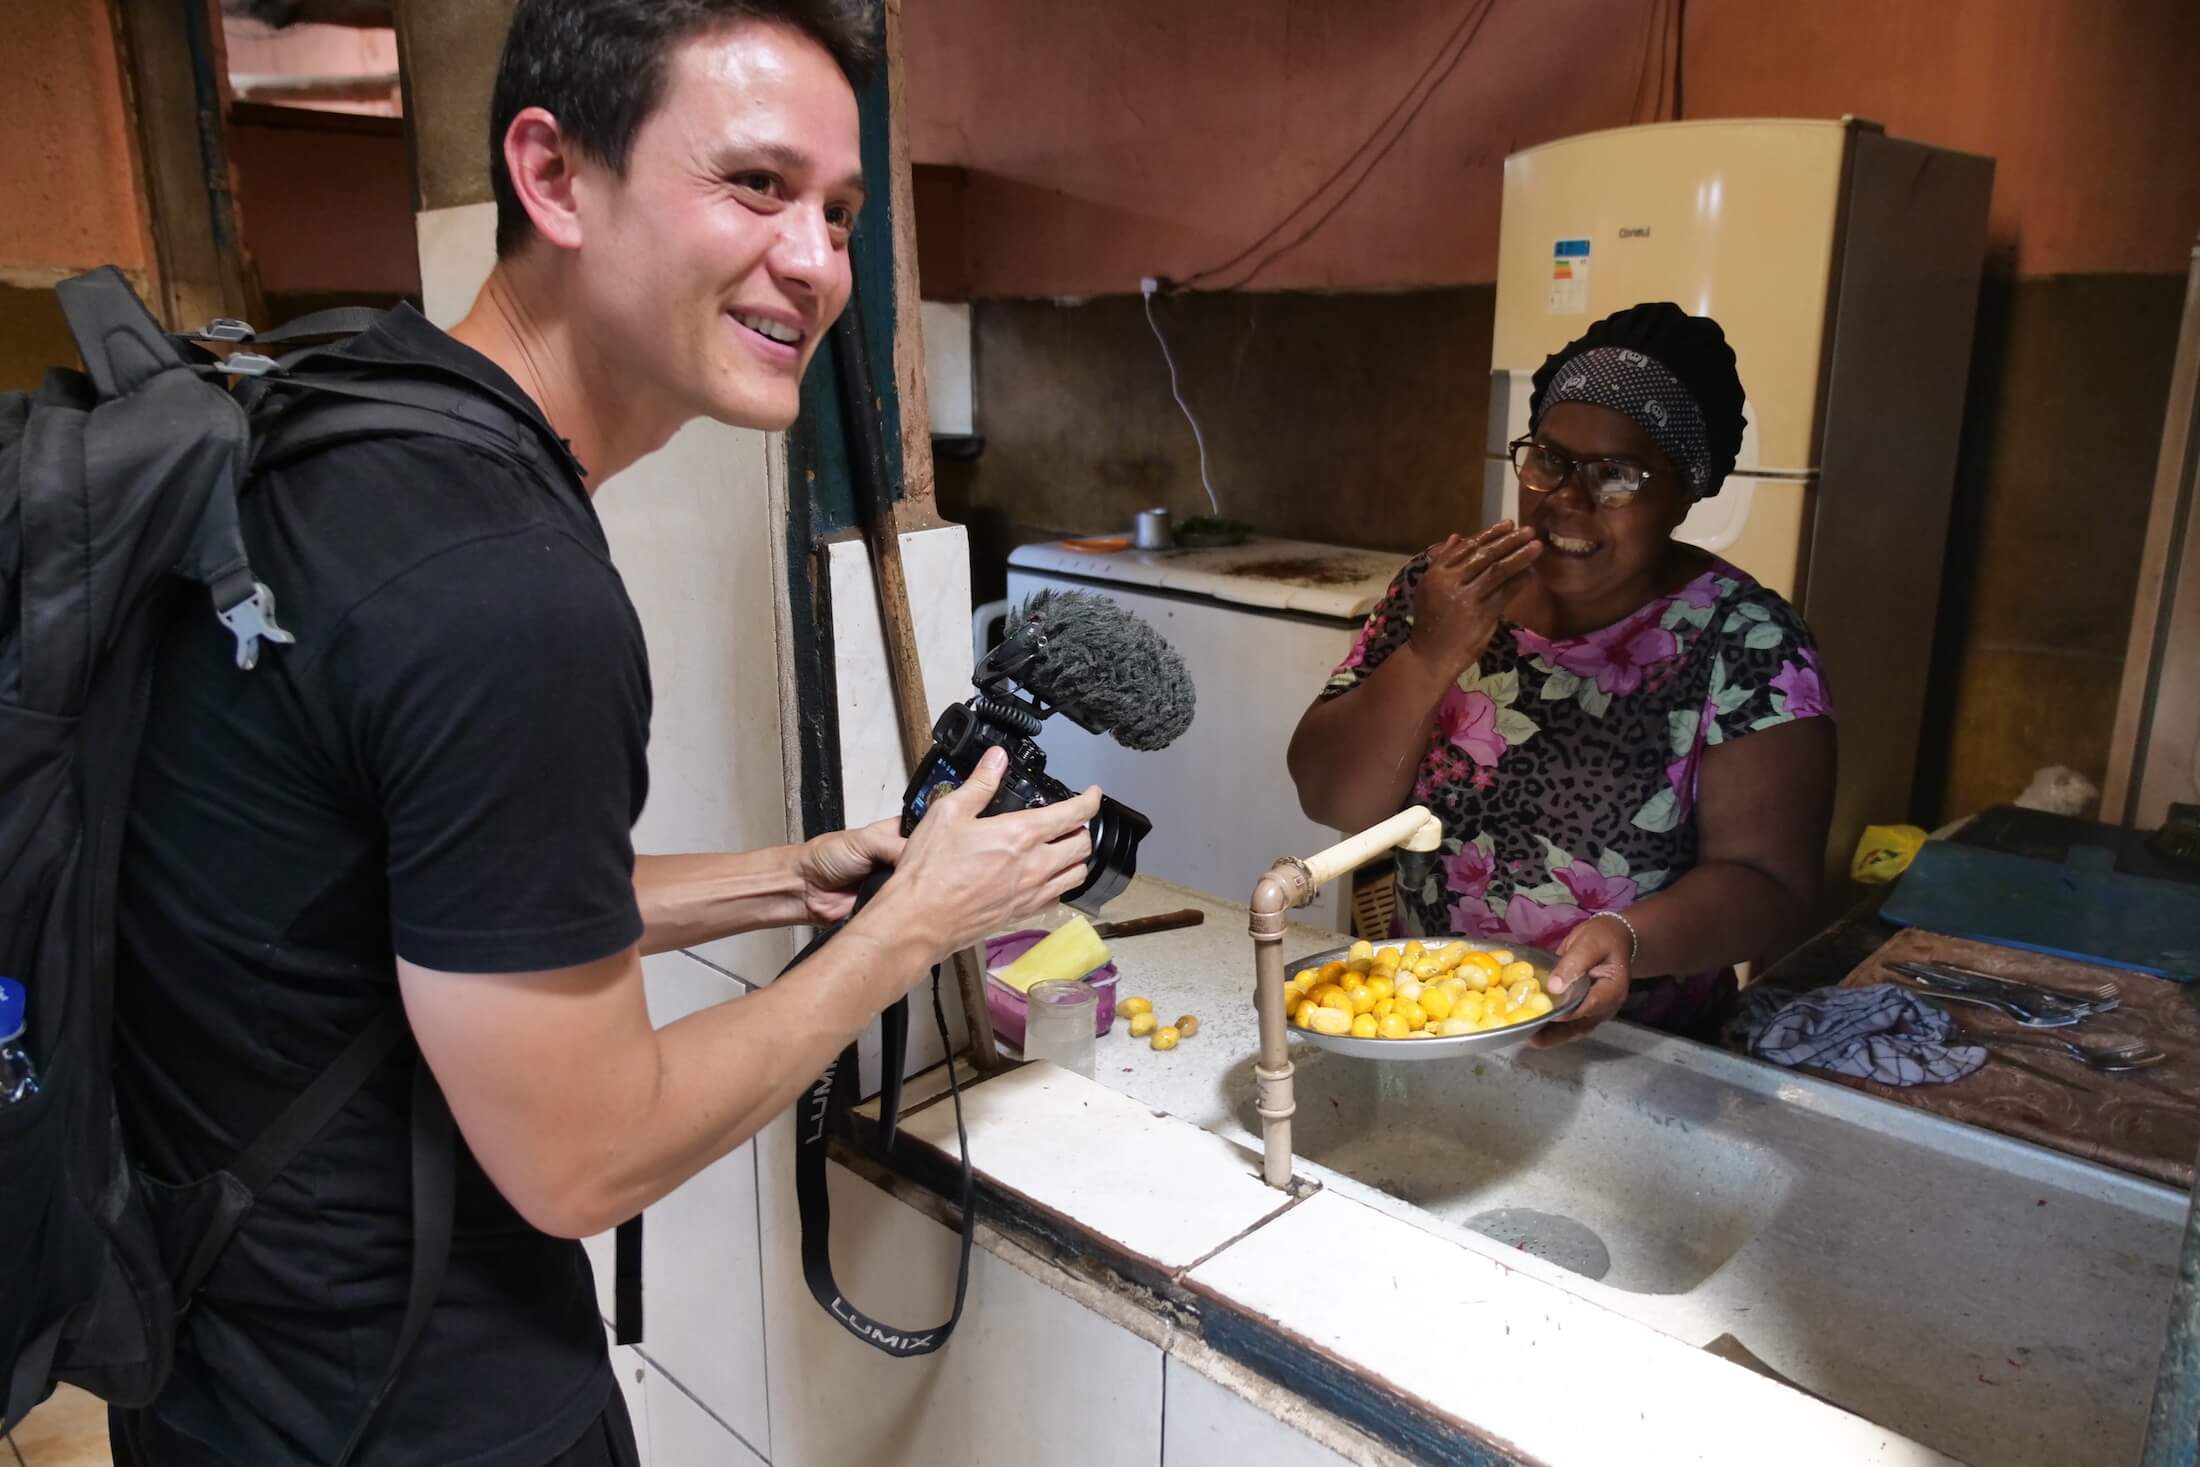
[1669, 372]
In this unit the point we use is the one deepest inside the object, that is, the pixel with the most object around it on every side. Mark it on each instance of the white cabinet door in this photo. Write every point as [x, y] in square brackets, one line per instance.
[1209, 1425]
[1031, 1376]
[702, 1285]
[683, 1434]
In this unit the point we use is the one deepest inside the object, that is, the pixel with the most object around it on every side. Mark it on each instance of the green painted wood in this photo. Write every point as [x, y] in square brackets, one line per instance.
[821, 502]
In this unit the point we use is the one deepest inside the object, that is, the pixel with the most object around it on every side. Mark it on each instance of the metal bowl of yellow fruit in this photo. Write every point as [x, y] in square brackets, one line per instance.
[1423, 998]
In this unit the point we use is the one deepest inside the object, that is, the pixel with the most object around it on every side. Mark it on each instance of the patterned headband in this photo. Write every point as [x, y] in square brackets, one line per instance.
[1640, 389]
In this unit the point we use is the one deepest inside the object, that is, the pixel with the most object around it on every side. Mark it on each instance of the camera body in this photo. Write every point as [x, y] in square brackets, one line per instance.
[999, 720]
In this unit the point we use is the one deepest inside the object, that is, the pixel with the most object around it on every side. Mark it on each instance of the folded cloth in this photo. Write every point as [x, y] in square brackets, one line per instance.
[1884, 1032]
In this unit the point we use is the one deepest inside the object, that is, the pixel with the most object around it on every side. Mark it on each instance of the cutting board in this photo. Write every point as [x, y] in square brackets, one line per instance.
[2080, 908]
[2146, 1122]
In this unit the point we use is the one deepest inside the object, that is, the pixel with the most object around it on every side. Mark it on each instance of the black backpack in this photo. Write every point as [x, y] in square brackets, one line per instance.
[119, 488]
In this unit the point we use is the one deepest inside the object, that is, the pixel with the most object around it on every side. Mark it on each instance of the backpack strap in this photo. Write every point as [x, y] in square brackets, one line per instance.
[125, 350]
[626, 1285]
[315, 326]
[330, 410]
[122, 345]
[434, 1184]
[434, 1207]
[257, 1166]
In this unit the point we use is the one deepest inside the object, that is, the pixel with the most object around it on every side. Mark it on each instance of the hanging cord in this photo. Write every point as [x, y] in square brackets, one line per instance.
[1456, 44]
[1177, 392]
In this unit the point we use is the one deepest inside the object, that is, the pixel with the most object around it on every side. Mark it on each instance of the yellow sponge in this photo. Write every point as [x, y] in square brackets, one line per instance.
[1069, 952]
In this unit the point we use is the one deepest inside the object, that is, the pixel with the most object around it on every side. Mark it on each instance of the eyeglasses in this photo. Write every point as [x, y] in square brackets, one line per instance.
[1609, 481]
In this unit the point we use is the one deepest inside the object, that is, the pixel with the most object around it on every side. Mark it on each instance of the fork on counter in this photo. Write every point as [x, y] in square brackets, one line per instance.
[2102, 996]
[2108, 1059]
[2047, 1017]
[2028, 1004]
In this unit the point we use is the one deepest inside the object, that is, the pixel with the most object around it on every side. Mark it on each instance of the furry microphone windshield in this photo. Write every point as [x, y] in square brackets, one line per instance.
[1101, 667]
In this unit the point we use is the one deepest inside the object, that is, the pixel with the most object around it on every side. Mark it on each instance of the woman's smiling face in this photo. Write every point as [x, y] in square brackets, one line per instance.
[1592, 551]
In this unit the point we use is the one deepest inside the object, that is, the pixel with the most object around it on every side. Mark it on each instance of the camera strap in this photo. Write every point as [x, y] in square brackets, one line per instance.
[823, 1104]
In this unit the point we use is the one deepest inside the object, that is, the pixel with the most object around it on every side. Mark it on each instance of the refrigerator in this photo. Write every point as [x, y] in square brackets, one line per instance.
[1843, 265]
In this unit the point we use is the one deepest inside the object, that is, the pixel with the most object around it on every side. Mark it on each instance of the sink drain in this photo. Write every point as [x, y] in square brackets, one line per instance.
[1548, 1236]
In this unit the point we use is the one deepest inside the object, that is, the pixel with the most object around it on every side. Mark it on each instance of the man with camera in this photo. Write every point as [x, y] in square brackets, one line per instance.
[428, 799]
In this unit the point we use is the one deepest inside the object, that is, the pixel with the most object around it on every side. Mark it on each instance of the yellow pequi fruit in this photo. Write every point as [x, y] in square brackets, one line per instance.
[1133, 1007]
[1331, 1021]
[1364, 1026]
[1390, 1026]
[1187, 1025]
[1143, 1024]
[1166, 1037]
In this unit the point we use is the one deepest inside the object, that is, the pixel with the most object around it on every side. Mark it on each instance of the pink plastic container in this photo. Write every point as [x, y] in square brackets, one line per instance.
[1006, 1005]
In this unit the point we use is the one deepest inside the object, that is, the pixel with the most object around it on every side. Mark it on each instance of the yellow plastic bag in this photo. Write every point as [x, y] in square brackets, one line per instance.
[1885, 852]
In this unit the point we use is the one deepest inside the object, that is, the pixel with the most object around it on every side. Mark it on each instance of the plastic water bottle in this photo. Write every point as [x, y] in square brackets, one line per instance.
[18, 1080]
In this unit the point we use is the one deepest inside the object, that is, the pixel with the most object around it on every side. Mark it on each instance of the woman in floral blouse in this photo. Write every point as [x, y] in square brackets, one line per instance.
[1627, 738]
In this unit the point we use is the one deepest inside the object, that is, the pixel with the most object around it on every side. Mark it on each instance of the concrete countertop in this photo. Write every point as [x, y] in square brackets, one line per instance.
[1999, 1274]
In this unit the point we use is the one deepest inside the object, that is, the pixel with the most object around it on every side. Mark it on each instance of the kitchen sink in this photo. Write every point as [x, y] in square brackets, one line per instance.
[1997, 1301]
[1647, 1188]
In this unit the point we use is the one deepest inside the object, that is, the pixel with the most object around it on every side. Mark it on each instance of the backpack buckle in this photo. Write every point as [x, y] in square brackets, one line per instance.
[227, 328]
[252, 621]
[248, 364]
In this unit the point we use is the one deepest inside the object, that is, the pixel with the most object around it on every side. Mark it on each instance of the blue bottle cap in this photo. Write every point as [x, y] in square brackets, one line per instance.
[12, 1000]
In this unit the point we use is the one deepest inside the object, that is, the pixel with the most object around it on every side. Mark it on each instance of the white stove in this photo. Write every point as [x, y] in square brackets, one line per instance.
[1260, 626]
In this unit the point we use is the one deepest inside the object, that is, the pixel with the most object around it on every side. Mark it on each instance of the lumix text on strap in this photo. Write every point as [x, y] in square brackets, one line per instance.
[1068, 652]
[827, 1098]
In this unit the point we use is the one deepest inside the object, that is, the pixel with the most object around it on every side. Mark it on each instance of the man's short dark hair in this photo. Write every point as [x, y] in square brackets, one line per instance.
[598, 66]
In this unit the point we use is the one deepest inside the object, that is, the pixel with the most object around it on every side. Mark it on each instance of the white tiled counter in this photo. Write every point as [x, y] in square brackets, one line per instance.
[1400, 1327]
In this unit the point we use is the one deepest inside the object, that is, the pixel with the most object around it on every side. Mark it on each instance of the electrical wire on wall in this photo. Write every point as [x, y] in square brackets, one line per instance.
[1662, 37]
[1146, 288]
[1409, 104]
[1440, 66]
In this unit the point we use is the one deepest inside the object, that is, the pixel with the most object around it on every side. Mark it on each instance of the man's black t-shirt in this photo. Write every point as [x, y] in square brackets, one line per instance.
[446, 765]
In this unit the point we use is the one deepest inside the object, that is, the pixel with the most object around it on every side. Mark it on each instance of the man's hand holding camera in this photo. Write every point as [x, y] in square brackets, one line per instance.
[960, 878]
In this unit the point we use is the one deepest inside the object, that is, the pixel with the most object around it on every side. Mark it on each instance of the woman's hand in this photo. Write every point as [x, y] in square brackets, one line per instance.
[1597, 953]
[1464, 592]
[832, 866]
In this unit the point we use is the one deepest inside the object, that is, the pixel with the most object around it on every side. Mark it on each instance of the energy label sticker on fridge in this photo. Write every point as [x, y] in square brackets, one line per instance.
[1569, 278]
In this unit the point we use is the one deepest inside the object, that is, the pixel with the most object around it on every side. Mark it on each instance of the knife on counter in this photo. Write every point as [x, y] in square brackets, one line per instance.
[1140, 926]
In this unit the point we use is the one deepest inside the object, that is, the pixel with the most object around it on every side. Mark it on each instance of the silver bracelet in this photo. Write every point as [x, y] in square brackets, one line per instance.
[1634, 938]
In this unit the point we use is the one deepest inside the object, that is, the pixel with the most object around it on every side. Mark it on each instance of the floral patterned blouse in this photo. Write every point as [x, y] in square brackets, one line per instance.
[1565, 771]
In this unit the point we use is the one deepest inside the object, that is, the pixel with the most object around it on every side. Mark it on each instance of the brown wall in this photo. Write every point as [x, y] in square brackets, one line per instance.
[1093, 144]
[68, 187]
[327, 203]
[2069, 383]
[1107, 142]
[1353, 419]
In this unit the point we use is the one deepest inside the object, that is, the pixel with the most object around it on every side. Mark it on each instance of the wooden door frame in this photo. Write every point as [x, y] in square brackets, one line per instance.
[175, 92]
